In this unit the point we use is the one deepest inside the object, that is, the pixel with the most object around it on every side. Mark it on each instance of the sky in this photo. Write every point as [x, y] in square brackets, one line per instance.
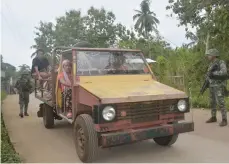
[19, 18]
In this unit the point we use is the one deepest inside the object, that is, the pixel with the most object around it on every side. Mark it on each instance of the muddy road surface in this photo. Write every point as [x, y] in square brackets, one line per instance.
[35, 143]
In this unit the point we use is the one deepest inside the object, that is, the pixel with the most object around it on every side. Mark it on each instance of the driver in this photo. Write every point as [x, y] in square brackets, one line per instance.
[118, 63]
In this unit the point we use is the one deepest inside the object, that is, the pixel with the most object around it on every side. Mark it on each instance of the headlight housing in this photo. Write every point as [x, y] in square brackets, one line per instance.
[108, 113]
[182, 105]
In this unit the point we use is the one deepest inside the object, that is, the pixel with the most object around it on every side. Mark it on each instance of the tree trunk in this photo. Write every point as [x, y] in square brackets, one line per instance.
[207, 41]
[208, 33]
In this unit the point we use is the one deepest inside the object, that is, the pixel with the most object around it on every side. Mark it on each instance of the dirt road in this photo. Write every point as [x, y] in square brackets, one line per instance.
[34, 143]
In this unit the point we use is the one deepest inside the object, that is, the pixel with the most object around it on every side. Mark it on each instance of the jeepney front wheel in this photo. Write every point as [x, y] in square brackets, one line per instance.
[167, 140]
[48, 116]
[85, 138]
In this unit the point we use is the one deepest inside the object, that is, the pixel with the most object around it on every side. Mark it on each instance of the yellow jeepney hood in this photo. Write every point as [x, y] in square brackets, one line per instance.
[129, 88]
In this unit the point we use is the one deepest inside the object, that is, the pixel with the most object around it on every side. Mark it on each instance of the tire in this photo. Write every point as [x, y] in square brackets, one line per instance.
[48, 116]
[167, 140]
[84, 129]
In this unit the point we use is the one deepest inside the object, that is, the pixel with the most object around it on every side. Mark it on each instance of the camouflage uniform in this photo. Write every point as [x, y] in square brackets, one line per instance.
[24, 87]
[217, 87]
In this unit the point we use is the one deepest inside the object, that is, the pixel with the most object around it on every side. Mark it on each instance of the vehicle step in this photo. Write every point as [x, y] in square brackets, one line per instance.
[64, 117]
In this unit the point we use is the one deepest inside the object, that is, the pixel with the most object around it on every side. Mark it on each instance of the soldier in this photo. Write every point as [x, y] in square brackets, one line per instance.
[24, 88]
[217, 86]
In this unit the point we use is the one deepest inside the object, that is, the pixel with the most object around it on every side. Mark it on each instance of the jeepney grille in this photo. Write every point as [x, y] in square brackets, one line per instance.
[144, 111]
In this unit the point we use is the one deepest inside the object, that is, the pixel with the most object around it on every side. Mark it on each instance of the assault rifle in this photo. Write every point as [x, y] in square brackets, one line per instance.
[206, 82]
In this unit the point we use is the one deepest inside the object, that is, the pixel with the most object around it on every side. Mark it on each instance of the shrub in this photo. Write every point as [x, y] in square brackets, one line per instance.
[3, 95]
[8, 154]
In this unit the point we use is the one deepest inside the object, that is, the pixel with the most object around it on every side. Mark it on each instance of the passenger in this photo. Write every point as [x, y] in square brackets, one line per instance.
[118, 63]
[121, 63]
[40, 66]
[65, 78]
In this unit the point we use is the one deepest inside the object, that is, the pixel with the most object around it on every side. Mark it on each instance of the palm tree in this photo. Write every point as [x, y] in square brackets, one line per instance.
[146, 19]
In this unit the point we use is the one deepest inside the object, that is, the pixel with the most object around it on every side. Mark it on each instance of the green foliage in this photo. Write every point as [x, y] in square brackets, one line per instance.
[45, 36]
[161, 68]
[3, 95]
[146, 19]
[98, 27]
[8, 154]
[101, 29]
[151, 48]
[208, 17]
[9, 69]
[24, 67]
[10, 73]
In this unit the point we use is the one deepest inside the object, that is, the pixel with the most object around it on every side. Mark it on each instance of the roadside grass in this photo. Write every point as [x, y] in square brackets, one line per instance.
[8, 153]
[3, 95]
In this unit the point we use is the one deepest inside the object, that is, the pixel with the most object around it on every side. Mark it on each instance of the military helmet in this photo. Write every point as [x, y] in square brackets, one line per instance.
[212, 52]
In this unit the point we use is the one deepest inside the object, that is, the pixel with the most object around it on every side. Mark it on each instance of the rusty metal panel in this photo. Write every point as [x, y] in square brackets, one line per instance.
[144, 111]
[119, 138]
[87, 98]
[127, 123]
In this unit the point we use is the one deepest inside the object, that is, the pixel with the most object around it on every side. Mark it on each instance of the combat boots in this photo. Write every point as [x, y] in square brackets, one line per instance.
[211, 120]
[26, 114]
[223, 123]
[21, 115]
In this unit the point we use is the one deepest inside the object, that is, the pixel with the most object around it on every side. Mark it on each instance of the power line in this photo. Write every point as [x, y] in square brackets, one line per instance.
[10, 11]
[16, 37]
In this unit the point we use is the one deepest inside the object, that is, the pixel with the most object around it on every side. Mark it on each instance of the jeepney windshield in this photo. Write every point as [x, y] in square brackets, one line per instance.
[104, 63]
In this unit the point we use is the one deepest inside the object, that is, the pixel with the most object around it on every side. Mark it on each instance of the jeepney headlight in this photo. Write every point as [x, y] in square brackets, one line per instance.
[108, 113]
[182, 105]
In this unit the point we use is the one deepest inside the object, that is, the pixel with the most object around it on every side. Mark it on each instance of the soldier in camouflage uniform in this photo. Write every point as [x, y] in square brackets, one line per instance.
[24, 88]
[217, 86]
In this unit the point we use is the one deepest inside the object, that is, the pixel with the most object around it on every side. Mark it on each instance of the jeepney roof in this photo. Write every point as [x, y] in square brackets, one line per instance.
[99, 49]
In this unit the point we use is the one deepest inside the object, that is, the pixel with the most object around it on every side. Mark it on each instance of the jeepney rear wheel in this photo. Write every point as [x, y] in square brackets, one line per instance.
[85, 138]
[166, 140]
[48, 116]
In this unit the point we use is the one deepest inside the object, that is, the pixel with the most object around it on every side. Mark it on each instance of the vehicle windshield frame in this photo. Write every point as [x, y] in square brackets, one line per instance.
[123, 52]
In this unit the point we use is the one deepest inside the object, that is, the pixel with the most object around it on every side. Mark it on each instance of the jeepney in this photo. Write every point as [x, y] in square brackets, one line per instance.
[113, 106]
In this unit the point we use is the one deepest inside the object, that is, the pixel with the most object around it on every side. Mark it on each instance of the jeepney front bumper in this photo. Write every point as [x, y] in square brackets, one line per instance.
[126, 137]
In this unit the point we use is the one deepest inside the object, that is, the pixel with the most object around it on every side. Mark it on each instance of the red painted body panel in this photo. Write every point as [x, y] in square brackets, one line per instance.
[87, 98]
[127, 124]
